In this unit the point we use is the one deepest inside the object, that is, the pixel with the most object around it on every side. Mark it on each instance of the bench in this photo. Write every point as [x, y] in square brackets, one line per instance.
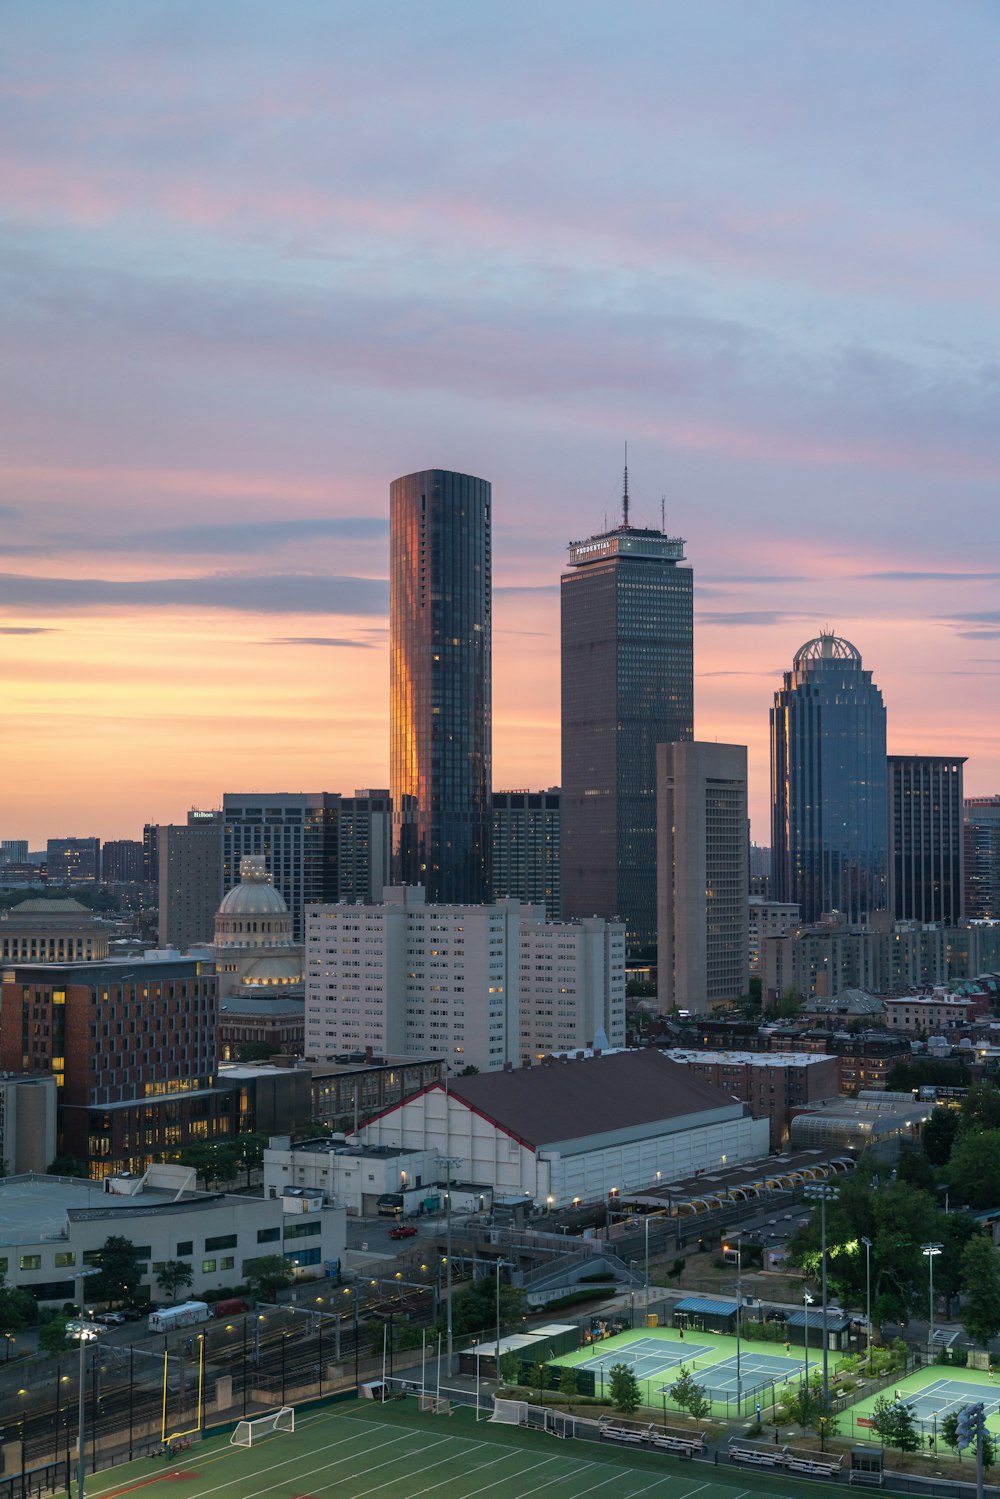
[813, 1468]
[759, 1459]
[677, 1444]
[622, 1434]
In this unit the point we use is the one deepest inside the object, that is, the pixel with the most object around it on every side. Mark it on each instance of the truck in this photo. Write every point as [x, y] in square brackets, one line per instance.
[186, 1315]
[231, 1306]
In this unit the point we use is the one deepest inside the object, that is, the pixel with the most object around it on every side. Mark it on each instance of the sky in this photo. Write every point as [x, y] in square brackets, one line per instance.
[258, 260]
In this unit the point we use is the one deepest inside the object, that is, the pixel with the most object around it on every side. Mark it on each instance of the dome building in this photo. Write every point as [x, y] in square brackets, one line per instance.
[258, 964]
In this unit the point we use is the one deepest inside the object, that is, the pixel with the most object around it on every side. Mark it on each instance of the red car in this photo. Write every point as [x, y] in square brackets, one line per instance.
[402, 1231]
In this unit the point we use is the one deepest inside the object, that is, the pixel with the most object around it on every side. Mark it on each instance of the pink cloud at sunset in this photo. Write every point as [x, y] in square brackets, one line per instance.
[253, 266]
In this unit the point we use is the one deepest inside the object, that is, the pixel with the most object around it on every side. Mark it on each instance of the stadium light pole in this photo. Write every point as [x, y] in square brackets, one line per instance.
[449, 1162]
[868, 1296]
[807, 1302]
[87, 1333]
[930, 1252]
[823, 1193]
[738, 1251]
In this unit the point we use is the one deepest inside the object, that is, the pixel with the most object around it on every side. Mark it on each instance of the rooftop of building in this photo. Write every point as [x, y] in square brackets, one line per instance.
[355, 1063]
[116, 970]
[64, 908]
[565, 1100]
[750, 1058]
[335, 1145]
[949, 998]
[34, 1208]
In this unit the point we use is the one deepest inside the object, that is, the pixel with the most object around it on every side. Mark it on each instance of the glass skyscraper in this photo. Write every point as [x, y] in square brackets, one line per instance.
[627, 686]
[829, 822]
[440, 684]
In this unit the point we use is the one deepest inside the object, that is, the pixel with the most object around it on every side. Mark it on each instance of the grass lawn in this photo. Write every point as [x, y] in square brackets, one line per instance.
[362, 1451]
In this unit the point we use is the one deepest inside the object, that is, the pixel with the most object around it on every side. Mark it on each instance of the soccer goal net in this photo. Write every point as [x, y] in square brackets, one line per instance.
[248, 1432]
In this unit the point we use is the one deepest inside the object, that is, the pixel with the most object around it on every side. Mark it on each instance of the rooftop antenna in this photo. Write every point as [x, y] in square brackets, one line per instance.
[625, 493]
[663, 514]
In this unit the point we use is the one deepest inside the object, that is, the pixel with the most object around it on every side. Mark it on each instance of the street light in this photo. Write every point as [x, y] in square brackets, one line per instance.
[738, 1251]
[823, 1193]
[931, 1251]
[868, 1296]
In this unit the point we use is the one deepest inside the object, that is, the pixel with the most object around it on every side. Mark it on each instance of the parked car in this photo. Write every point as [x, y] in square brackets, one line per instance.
[402, 1231]
[110, 1319]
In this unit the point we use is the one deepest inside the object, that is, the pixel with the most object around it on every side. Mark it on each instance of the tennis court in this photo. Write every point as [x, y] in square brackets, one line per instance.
[755, 1371]
[934, 1394]
[360, 1451]
[655, 1358]
[646, 1357]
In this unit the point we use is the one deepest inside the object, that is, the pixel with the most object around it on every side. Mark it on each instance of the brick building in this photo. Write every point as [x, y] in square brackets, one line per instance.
[772, 1083]
[132, 1048]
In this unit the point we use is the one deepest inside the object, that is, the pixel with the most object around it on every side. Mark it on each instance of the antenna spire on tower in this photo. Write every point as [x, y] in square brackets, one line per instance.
[625, 492]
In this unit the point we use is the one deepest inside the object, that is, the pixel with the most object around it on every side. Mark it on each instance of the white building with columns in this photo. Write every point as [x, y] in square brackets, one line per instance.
[576, 1129]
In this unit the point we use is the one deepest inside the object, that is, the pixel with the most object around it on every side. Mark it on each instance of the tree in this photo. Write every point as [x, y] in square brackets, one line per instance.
[267, 1274]
[624, 1386]
[980, 1272]
[474, 1309]
[896, 1424]
[510, 1368]
[789, 1003]
[898, 1218]
[250, 1153]
[121, 1271]
[690, 1396]
[568, 1382]
[470, 1071]
[173, 1277]
[67, 1165]
[17, 1309]
[915, 1169]
[212, 1160]
[256, 1051]
[938, 1135]
[974, 1171]
[52, 1337]
[981, 1108]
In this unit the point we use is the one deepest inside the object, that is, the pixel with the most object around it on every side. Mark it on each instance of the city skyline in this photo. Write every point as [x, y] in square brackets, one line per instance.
[256, 266]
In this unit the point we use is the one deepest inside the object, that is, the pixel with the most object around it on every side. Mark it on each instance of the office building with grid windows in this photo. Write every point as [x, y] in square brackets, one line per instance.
[926, 856]
[627, 686]
[703, 875]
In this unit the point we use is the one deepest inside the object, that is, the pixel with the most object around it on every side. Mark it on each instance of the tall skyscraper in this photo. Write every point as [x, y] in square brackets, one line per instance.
[627, 686]
[702, 875]
[828, 784]
[926, 863]
[440, 683]
[295, 833]
[982, 858]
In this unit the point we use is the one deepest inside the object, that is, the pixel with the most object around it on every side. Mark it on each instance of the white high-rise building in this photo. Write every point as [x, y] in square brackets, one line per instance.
[480, 985]
[572, 985]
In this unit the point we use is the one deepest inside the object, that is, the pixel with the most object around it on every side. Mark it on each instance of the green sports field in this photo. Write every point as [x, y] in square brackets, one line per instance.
[359, 1451]
[934, 1392]
[655, 1356]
